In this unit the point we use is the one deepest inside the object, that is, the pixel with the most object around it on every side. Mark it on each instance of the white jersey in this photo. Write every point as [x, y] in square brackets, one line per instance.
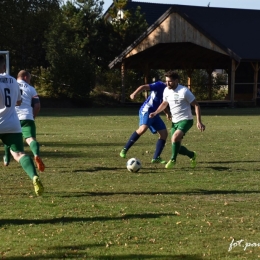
[25, 110]
[179, 100]
[9, 95]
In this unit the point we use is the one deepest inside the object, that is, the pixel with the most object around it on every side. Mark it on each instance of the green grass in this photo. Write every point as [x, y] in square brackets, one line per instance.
[93, 208]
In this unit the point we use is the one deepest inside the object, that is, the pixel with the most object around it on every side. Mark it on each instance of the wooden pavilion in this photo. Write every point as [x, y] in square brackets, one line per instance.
[193, 37]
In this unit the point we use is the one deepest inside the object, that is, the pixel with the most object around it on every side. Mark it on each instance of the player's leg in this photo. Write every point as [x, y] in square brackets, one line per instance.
[157, 125]
[29, 134]
[177, 136]
[184, 151]
[178, 131]
[34, 146]
[15, 142]
[143, 120]
[7, 155]
[185, 126]
[191, 154]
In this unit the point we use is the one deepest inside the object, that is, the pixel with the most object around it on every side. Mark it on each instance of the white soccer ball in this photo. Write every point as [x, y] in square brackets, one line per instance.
[133, 165]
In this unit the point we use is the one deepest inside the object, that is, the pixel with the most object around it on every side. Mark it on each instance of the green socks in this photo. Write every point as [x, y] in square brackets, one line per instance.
[184, 151]
[7, 153]
[28, 166]
[175, 150]
[178, 148]
[34, 146]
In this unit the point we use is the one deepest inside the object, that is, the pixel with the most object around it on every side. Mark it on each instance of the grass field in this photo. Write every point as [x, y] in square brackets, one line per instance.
[93, 208]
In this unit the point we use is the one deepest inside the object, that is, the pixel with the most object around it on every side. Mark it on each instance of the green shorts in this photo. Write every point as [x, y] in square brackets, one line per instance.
[14, 141]
[28, 128]
[183, 125]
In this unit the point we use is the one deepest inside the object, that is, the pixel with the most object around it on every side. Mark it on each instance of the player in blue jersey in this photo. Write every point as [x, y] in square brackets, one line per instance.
[155, 125]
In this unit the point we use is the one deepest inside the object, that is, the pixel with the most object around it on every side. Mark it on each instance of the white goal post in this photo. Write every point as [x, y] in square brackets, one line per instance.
[6, 53]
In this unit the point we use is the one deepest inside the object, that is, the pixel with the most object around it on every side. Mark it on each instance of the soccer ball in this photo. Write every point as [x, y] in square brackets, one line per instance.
[133, 165]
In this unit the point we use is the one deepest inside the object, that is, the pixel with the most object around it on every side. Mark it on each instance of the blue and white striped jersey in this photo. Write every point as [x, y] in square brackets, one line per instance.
[155, 98]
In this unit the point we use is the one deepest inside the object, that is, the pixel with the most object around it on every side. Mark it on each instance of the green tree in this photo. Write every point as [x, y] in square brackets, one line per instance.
[124, 28]
[200, 84]
[23, 23]
[128, 24]
[71, 52]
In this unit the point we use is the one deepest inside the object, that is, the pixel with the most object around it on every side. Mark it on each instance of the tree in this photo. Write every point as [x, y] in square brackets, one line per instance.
[23, 23]
[200, 84]
[71, 52]
[128, 24]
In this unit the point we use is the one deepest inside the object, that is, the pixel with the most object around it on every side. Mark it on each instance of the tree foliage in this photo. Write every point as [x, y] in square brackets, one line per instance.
[128, 24]
[67, 47]
[23, 23]
[125, 27]
[200, 84]
[70, 52]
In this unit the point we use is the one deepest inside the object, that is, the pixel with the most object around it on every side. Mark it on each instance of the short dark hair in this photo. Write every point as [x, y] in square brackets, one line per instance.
[172, 74]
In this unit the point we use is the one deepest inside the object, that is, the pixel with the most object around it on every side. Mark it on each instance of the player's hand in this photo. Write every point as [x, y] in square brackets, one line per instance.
[200, 126]
[169, 117]
[132, 96]
[151, 115]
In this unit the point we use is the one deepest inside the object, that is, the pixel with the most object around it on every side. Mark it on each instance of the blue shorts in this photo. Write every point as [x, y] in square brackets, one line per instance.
[154, 124]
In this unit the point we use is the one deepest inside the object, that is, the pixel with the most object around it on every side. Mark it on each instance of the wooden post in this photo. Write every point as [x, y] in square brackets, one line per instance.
[123, 82]
[189, 73]
[233, 73]
[234, 67]
[146, 77]
[189, 83]
[209, 71]
[229, 83]
[256, 69]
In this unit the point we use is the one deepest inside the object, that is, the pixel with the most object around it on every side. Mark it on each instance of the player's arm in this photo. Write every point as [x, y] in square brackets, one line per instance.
[167, 112]
[162, 107]
[18, 102]
[19, 97]
[140, 89]
[196, 105]
[36, 105]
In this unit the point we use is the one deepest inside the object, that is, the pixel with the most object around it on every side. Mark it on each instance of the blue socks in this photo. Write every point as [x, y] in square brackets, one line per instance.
[133, 138]
[159, 147]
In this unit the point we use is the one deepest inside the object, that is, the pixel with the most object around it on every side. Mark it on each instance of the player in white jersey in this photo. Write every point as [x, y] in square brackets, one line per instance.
[179, 98]
[27, 113]
[10, 129]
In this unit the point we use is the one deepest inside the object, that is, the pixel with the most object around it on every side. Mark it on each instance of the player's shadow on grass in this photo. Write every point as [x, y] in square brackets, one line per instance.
[142, 170]
[55, 145]
[80, 255]
[218, 168]
[64, 220]
[241, 161]
[164, 193]
[96, 169]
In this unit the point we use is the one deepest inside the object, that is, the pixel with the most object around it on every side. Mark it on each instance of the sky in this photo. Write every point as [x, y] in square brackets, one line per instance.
[243, 4]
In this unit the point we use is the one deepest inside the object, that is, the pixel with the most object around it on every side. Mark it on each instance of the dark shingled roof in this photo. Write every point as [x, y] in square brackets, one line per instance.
[235, 30]
[152, 11]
